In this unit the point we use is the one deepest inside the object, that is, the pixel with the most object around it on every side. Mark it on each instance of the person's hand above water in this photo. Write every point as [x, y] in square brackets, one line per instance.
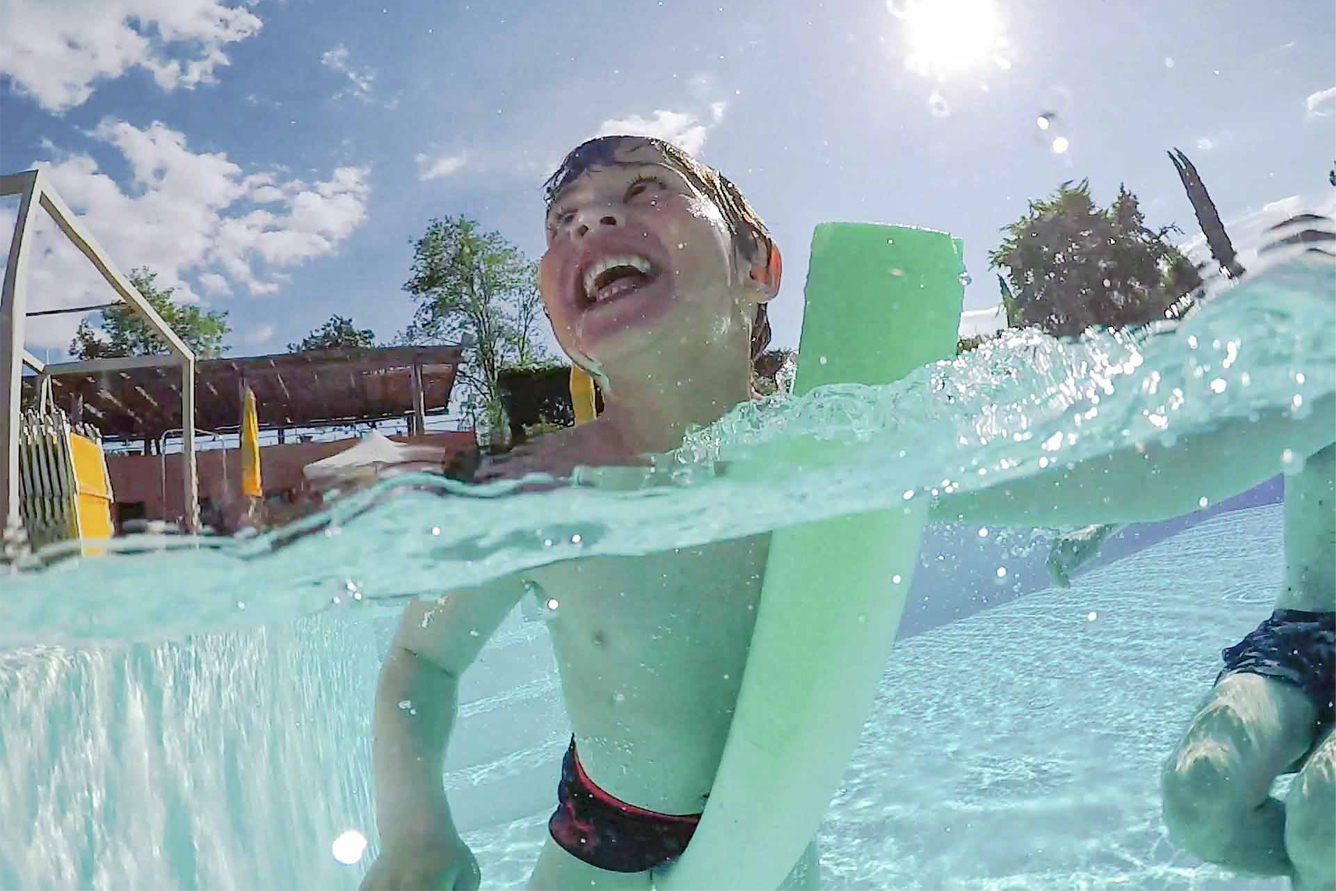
[435, 862]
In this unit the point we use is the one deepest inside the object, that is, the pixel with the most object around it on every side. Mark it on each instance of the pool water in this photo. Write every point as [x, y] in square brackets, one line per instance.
[196, 713]
[1018, 748]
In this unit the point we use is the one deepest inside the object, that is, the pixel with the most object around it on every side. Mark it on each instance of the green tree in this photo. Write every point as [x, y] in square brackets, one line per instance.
[125, 333]
[1071, 264]
[337, 333]
[476, 289]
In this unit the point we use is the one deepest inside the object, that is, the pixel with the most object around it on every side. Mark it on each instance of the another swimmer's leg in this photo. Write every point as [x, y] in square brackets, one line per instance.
[1310, 820]
[806, 873]
[560, 870]
[1217, 782]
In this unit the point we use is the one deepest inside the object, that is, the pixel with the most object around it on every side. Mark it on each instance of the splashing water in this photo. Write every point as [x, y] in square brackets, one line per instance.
[1005, 410]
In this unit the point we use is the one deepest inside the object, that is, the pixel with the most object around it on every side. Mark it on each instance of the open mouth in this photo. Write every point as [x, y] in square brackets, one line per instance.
[614, 277]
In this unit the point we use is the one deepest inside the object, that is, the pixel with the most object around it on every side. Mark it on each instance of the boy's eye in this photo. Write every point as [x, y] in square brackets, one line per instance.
[643, 184]
[562, 217]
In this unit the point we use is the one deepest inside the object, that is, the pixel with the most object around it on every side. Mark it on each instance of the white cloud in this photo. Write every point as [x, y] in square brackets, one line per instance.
[259, 334]
[60, 50]
[1318, 101]
[434, 168]
[362, 81]
[683, 129]
[186, 215]
[214, 283]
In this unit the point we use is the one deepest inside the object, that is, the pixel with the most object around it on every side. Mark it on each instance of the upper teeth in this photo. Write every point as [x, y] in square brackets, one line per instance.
[593, 272]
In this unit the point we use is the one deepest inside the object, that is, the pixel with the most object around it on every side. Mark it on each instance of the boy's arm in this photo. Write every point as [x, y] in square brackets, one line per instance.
[1156, 482]
[416, 699]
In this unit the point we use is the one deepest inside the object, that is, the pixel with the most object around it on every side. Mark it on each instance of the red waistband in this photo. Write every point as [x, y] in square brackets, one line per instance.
[604, 798]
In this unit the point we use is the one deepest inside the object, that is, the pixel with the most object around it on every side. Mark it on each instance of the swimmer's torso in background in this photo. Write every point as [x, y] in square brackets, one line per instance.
[651, 651]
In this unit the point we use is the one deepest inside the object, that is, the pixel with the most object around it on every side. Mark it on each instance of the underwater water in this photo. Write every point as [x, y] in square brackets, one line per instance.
[1006, 410]
[196, 713]
[1018, 748]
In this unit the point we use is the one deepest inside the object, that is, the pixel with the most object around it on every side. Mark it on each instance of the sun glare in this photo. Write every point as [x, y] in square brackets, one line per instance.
[946, 37]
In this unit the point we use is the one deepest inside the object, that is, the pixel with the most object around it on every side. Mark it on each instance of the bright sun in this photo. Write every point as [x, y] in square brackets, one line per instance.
[946, 37]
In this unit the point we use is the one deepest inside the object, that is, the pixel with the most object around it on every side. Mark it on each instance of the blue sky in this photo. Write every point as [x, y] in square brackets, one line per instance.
[276, 158]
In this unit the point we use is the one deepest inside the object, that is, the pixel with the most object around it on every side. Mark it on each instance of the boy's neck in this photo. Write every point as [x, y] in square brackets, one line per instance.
[651, 412]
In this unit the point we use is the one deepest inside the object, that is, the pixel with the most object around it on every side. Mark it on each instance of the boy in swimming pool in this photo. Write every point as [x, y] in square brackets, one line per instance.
[655, 279]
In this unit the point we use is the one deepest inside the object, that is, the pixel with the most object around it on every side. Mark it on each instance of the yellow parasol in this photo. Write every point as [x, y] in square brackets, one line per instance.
[250, 447]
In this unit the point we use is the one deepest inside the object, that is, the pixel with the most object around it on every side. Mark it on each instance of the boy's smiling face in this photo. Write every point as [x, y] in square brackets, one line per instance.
[639, 260]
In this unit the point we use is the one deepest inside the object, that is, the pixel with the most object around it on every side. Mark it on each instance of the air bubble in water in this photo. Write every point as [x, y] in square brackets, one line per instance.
[349, 847]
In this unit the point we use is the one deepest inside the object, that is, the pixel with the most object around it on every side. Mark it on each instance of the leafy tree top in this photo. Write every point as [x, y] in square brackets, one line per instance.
[125, 333]
[1071, 264]
[476, 289]
[336, 333]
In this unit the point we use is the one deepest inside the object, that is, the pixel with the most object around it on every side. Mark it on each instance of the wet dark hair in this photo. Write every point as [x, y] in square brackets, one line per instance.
[742, 221]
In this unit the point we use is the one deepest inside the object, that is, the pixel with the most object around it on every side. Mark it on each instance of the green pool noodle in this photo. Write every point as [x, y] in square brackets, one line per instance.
[881, 301]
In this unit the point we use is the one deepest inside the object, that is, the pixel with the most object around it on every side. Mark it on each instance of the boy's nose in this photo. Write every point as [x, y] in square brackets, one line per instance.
[593, 218]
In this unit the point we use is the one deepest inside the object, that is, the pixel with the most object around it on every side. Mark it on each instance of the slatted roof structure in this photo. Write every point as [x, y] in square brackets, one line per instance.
[137, 398]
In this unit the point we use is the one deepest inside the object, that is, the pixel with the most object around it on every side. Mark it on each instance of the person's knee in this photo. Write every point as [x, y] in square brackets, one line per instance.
[1201, 797]
[1310, 817]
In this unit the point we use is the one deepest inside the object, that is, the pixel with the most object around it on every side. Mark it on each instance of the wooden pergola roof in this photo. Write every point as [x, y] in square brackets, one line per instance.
[319, 388]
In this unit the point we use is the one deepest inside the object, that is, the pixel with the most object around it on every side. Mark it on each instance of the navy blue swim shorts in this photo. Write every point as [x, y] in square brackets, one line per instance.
[1296, 647]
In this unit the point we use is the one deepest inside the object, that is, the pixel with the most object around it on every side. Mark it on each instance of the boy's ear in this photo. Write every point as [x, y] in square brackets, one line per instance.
[767, 270]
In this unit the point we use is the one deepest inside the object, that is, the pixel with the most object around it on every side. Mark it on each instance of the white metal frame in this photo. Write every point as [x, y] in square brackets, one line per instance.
[35, 189]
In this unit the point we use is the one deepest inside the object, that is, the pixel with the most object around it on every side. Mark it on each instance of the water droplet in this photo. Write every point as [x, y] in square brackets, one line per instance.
[405, 704]
[1299, 378]
[349, 847]
[1042, 122]
[1001, 572]
[619, 696]
[983, 531]
[1060, 145]
[1287, 456]
[435, 530]
[575, 539]
[1168, 62]
[895, 579]
[1218, 385]
[1203, 501]
[241, 604]
[552, 604]
[822, 360]
[1296, 401]
[681, 246]
[890, 241]
[1091, 616]
[909, 493]
[897, 272]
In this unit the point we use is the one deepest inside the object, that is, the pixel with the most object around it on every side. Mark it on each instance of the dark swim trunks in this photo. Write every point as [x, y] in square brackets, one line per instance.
[1298, 648]
[611, 834]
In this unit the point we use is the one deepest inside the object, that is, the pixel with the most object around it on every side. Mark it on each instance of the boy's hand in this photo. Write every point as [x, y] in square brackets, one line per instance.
[1071, 551]
[438, 862]
[558, 454]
